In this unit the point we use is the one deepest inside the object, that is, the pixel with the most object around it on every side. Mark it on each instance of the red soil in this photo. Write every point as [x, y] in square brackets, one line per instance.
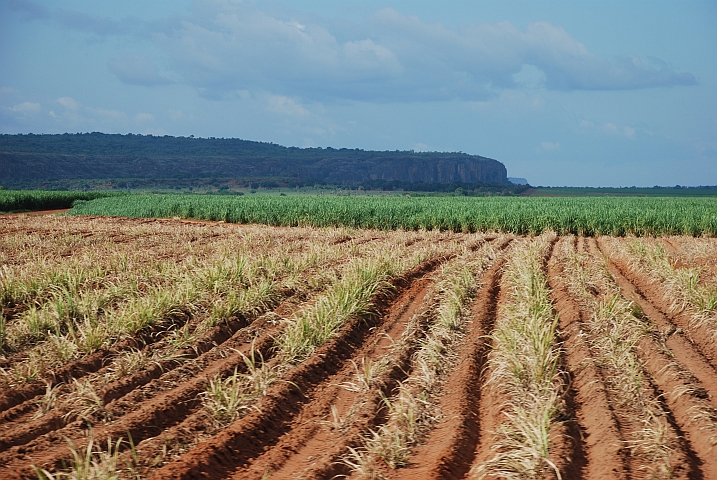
[246, 438]
[602, 442]
[293, 434]
[313, 445]
[449, 449]
[675, 369]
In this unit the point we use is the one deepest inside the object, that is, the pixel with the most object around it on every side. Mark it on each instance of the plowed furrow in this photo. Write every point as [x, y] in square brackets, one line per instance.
[312, 446]
[490, 412]
[246, 438]
[687, 353]
[702, 341]
[671, 379]
[449, 449]
[147, 418]
[73, 370]
[568, 450]
[370, 409]
[598, 430]
[26, 429]
[194, 427]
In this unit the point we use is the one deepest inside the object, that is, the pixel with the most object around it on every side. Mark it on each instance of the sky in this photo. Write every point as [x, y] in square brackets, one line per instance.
[564, 93]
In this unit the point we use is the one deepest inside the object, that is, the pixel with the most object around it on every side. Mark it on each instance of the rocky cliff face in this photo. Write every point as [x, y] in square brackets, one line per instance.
[428, 168]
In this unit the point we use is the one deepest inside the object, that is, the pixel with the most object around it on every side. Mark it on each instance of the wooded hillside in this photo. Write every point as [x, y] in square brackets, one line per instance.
[98, 155]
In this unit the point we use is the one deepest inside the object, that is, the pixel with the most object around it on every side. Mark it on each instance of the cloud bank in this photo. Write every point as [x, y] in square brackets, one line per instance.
[222, 47]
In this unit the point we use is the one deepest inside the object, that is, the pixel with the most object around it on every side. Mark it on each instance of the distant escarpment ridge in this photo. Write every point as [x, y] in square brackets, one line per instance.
[98, 155]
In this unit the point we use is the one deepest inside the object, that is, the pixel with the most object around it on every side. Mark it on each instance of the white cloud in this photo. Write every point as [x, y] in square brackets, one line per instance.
[25, 108]
[548, 146]
[176, 114]
[69, 103]
[530, 76]
[8, 91]
[286, 106]
[144, 117]
[609, 128]
[225, 46]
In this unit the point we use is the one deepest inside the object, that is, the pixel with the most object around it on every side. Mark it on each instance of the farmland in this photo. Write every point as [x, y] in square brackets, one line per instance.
[577, 216]
[167, 348]
[31, 200]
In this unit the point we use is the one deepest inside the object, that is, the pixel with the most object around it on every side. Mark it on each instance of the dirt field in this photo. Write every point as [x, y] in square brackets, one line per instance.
[162, 349]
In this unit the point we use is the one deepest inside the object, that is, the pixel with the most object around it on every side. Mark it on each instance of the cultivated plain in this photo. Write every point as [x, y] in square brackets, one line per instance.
[148, 348]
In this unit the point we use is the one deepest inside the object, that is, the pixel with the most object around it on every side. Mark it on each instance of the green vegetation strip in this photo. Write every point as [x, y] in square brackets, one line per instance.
[579, 216]
[34, 200]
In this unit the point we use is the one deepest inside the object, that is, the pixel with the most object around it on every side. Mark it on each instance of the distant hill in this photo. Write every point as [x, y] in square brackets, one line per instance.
[98, 155]
[518, 181]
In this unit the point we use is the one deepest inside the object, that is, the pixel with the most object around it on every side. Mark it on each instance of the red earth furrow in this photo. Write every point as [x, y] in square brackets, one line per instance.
[567, 451]
[197, 424]
[316, 445]
[146, 419]
[702, 340]
[565, 454]
[24, 430]
[328, 463]
[706, 263]
[187, 433]
[89, 364]
[687, 353]
[491, 400]
[675, 393]
[246, 438]
[603, 443]
[96, 363]
[449, 449]
[73, 370]
[231, 329]
[681, 456]
[170, 379]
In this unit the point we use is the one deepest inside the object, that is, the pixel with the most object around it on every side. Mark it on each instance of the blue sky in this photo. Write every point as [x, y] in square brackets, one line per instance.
[596, 93]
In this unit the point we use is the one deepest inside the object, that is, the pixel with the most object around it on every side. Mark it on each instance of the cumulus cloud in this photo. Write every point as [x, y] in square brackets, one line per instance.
[69, 103]
[286, 106]
[137, 70]
[226, 46]
[144, 117]
[548, 146]
[25, 108]
[609, 129]
[230, 46]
